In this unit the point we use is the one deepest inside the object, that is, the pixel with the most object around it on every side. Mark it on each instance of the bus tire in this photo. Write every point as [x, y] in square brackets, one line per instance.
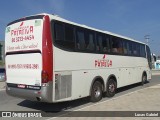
[144, 79]
[96, 92]
[111, 88]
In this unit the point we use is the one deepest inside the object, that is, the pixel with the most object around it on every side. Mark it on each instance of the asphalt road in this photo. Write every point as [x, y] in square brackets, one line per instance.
[8, 103]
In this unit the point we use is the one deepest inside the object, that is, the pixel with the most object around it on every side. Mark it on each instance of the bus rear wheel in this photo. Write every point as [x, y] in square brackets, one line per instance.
[111, 88]
[96, 92]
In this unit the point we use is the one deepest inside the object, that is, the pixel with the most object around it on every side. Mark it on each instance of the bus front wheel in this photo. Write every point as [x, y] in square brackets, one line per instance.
[144, 79]
[96, 92]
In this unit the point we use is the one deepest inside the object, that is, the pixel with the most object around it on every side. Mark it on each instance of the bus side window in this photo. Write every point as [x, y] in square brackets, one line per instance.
[99, 43]
[120, 46]
[125, 47]
[117, 45]
[80, 41]
[136, 49]
[64, 35]
[91, 43]
[114, 45]
[142, 51]
[129, 47]
[59, 31]
[103, 45]
[107, 38]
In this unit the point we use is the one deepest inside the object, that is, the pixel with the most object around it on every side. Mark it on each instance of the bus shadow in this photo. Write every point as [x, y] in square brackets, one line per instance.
[130, 87]
[60, 108]
[53, 107]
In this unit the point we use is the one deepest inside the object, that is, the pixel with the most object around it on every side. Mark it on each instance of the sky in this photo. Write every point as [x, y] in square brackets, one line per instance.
[130, 18]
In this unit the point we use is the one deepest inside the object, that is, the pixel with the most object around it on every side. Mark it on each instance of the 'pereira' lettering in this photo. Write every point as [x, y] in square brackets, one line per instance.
[22, 31]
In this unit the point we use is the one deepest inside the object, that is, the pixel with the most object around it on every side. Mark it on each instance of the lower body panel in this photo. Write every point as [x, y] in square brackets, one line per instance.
[45, 94]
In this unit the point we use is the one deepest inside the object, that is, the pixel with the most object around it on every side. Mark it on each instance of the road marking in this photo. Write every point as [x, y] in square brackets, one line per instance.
[102, 102]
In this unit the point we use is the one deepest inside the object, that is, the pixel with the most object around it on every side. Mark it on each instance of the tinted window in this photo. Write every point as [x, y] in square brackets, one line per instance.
[69, 33]
[117, 46]
[90, 41]
[135, 49]
[127, 47]
[103, 43]
[80, 40]
[59, 32]
[64, 35]
[138, 49]
[142, 51]
[85, 40]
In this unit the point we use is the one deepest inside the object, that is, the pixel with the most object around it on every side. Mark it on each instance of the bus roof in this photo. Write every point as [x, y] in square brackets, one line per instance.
[58, 18]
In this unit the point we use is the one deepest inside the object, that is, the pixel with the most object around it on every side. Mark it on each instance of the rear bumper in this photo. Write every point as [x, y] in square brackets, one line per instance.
[45, 94]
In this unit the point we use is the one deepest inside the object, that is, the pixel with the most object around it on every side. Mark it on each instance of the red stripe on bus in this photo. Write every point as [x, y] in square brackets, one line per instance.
[47, 48]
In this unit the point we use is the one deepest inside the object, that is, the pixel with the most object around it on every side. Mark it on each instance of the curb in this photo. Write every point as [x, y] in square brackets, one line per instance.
[156, 73]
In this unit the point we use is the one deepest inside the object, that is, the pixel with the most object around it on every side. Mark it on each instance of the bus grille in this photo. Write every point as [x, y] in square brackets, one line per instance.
[63, 86]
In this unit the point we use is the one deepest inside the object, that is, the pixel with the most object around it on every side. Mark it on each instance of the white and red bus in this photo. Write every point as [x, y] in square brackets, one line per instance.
[51, 59]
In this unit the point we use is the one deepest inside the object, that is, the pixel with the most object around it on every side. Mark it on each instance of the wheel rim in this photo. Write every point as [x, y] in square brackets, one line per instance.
[144, 79]
[111, 88]
[97, 92]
